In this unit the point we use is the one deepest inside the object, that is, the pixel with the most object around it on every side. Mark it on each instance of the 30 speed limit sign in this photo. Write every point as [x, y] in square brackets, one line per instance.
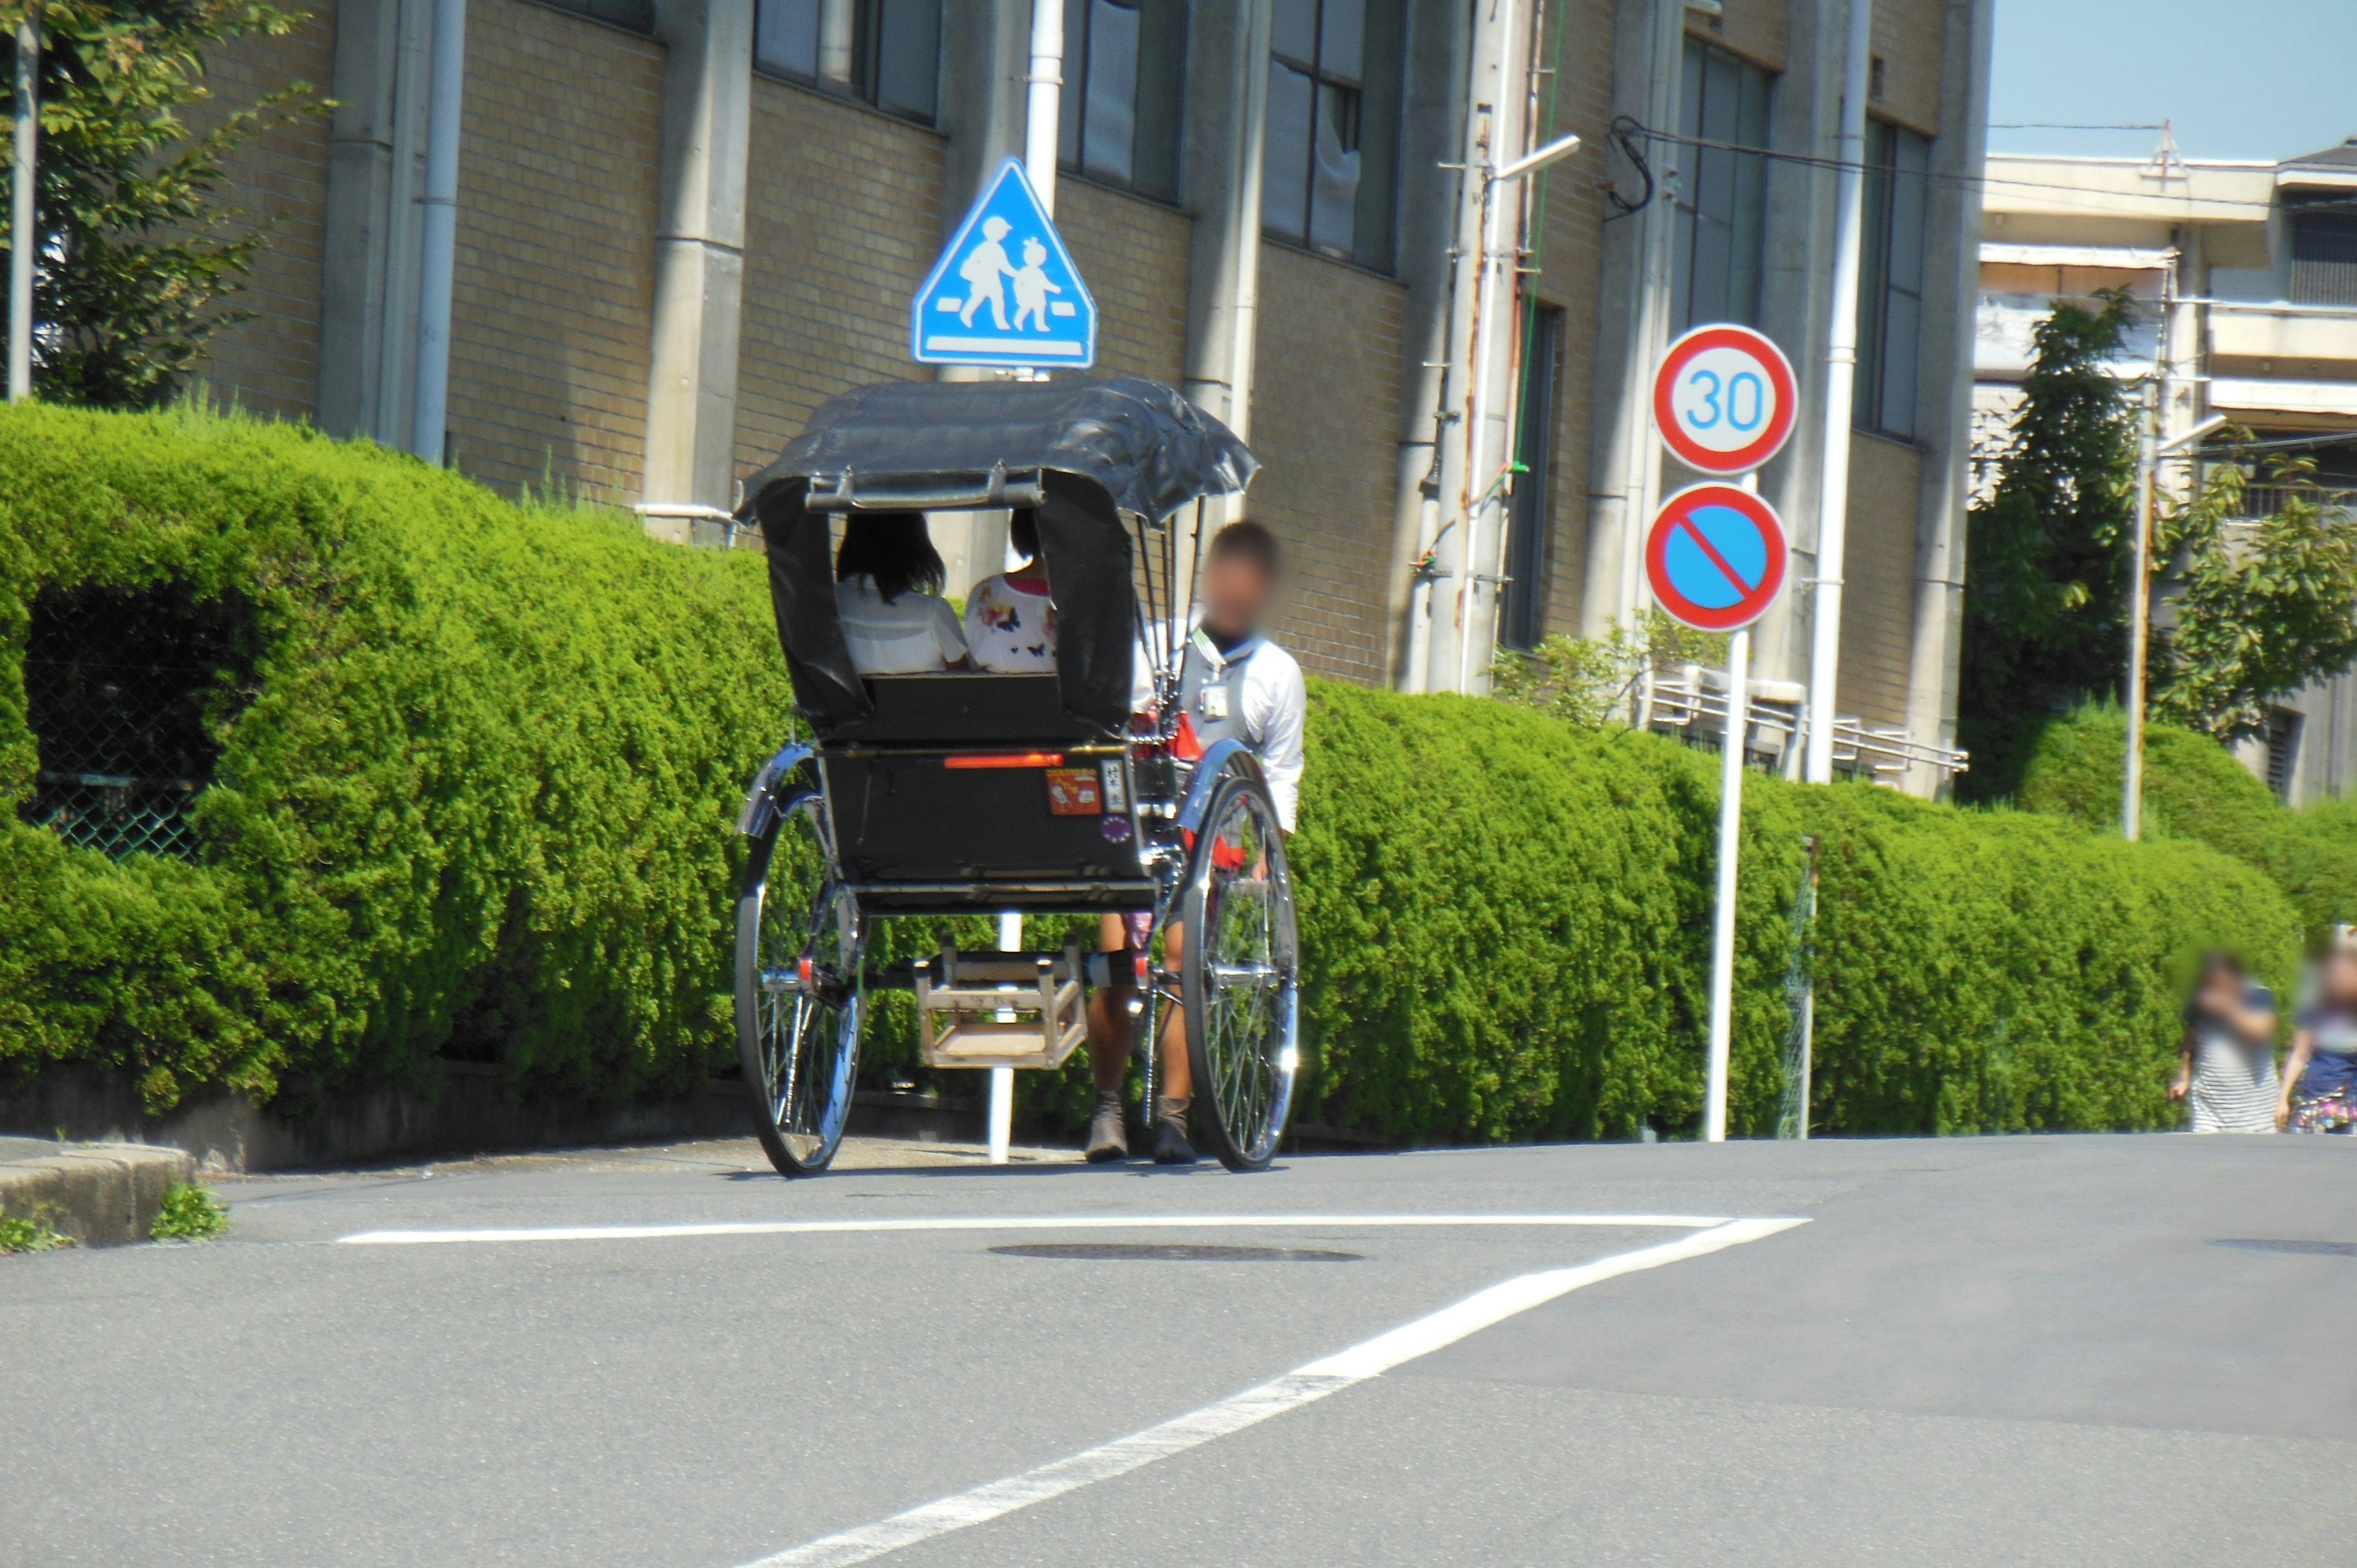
[1724, 399]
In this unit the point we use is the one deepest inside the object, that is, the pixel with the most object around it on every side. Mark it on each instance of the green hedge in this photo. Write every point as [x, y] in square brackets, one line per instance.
[478, 804]
[2194, 788]
[474, 801]
[1506, 922]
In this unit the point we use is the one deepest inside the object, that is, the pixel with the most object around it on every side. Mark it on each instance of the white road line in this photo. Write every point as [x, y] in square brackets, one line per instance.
[1026, 1222]
[1303, 1386]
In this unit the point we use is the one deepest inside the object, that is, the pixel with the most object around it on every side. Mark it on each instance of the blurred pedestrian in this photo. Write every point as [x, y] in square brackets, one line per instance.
[2226, 1067]
[2320, 1085]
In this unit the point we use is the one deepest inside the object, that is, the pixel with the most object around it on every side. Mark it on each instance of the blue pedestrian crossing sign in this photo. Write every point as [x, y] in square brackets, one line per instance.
[1006, 291]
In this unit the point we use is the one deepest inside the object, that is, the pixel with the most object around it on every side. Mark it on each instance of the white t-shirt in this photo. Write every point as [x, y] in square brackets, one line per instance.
[916, 634]
[1008, 630]
[1275, 704]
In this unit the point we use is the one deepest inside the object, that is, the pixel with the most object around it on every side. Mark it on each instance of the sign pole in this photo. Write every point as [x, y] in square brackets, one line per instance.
[1730, 838]
[1722, 929]
[1724, 402]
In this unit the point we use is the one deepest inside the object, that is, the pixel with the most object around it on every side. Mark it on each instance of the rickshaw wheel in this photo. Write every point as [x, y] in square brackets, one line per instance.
[1241, 976]
[800, 991]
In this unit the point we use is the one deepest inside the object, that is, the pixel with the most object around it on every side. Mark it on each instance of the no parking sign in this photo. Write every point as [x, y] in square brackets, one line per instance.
[1716, 558]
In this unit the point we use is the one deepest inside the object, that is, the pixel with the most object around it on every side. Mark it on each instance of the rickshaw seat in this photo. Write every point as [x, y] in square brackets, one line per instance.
[958, 708]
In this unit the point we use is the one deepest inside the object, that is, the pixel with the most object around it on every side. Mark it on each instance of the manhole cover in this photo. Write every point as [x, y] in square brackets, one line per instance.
[2323, 1249]
[1171, 1252]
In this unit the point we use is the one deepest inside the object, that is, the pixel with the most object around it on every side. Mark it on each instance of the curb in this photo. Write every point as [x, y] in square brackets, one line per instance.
[102, 1195]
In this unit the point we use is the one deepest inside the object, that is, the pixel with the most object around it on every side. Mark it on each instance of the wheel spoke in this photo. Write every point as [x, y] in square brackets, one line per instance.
[803, 1037]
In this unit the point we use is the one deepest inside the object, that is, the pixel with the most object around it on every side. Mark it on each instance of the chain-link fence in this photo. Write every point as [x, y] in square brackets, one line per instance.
[118, 689]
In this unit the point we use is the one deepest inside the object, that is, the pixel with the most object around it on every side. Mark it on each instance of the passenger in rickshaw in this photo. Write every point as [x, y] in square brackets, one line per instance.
[1010, 622]
[1234, 683]
[887, 594]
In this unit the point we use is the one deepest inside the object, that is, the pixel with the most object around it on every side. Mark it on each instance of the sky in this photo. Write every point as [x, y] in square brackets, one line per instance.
[2238, 79]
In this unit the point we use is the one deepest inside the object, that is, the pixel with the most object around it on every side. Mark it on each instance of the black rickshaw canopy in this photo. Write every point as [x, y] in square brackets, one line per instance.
[1080, 452]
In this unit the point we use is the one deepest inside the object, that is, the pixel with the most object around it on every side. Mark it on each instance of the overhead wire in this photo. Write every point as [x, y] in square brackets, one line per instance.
[2104, 202]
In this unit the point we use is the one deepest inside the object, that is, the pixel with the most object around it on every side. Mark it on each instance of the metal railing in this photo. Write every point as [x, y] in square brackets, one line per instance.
[2266, 500]
[1690, 701]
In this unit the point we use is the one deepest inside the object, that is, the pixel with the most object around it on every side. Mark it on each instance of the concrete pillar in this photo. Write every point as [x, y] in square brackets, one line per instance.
[1434, 123]
[368, 312]
[1227, 116]
[1945, 403]
[1632, 320]
[699, 268]
[1795, 305]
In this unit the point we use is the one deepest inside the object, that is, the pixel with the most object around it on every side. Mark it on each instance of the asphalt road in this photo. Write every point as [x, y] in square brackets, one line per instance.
[1973, 1351]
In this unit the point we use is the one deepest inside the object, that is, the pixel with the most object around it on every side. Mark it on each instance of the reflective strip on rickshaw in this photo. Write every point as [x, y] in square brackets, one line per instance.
[1006, 759]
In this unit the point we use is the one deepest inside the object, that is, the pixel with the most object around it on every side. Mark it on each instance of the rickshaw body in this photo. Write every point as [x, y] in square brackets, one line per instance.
[963, 792]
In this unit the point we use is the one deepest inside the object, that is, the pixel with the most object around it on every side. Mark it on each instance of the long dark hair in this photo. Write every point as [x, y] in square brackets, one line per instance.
[893, 548]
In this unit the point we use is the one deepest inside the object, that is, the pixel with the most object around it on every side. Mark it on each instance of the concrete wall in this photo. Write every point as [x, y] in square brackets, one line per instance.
[1886, 478]
[555, 272]
[1133, 252]
[845, 213]
[1908, 36]
[841, 223]
[1325, 407]
[278, 179]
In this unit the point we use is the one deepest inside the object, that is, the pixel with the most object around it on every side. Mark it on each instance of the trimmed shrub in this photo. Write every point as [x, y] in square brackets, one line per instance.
[2194, 788]
[1506, 924]
[1996, 972]
[475, 768]
[474, 798]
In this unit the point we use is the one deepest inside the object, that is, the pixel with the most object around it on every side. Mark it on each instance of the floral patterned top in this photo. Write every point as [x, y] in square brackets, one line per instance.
[1010, 628]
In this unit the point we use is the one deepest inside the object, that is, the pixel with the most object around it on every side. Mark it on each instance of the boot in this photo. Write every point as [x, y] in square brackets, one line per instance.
[1108, 1129]
[1170, 1144]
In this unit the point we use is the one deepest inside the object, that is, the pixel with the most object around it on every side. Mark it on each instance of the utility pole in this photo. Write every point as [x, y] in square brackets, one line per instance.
[1483, 467]
[1043, 111]
[2140, 604]
[2150, 449]
[1841, 386]
[24, 243]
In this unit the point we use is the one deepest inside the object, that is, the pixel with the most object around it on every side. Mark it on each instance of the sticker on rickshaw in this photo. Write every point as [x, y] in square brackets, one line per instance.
[1075, 793]
[1117, 787]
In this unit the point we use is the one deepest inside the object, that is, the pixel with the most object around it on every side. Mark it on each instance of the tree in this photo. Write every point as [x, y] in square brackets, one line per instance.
[136, 253]
[2047, 560]
[1591, 681]
[2265, 608]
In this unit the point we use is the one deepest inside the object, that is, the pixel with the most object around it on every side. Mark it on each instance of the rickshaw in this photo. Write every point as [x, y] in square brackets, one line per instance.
[1045, 795]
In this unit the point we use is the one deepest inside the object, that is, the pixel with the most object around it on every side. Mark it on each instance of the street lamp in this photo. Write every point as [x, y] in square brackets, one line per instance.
[2150, 453]
[1484, 345]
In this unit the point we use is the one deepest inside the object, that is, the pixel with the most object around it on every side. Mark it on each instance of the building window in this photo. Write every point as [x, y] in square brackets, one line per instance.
[2283, 753]
[1125, 85]
[885, 52]
[1723, 200]
[1522, 617]
[2324, 255]
[1890, 289]
[1330, 171]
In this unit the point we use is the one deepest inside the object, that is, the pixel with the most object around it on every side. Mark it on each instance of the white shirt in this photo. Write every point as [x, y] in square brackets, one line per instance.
[1275, 709]
[916, 634]
[1010, 630]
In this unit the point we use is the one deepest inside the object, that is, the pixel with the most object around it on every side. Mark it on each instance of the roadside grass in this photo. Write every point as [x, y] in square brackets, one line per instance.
[190, 1214]
[34, 1235]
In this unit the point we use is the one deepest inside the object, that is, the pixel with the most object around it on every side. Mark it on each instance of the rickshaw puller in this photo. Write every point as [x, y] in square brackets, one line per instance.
[1233, 684]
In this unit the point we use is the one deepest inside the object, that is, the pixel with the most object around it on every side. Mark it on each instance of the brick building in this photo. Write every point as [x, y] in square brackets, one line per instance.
[683, 224]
